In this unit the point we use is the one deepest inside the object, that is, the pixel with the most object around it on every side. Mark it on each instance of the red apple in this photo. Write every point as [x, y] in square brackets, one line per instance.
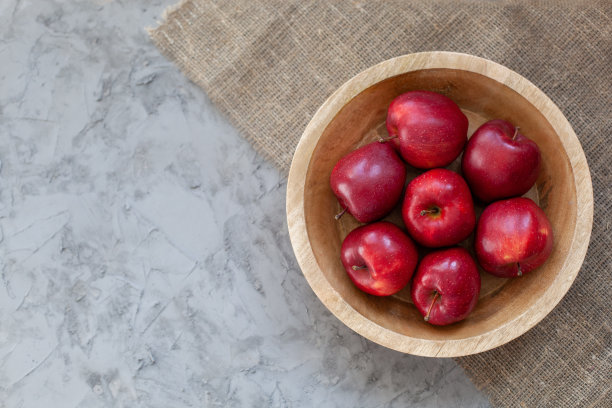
[379, 258]
[430, 128]
[500, 162]
[446, 286]
[368, 182]
[513, 237]
[438, 209]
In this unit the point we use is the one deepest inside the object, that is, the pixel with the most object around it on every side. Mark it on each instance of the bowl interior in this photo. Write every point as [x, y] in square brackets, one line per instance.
[361, 121]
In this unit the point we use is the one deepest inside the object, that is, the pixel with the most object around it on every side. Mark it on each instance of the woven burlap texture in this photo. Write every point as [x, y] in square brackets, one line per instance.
[268, 66]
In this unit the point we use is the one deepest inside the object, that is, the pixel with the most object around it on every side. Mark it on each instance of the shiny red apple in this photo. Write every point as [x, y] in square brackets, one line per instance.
[379, 258]
[368, 182]
[446, 286]
[438, 209]
[430, 128]
[513, 237]
[500, 162]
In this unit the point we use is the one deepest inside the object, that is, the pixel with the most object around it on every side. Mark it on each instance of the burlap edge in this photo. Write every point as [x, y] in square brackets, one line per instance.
[165, 16]
[157, 34]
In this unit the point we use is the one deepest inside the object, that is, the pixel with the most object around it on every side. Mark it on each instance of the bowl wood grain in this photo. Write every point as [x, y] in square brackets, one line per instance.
[355, 115]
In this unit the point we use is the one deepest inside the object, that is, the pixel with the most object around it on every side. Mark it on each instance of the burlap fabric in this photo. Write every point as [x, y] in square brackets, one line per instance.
[268, 65]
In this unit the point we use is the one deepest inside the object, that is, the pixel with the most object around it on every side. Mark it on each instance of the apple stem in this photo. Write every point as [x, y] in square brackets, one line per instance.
[356, 268]
[386, 139]
[340, 214]
[430, 211]
[436, 295]
[519, 273]
[516, 129]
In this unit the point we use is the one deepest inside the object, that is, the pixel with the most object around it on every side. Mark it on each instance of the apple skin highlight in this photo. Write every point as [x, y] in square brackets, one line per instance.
[379, 258]
[430, 128]
[369, 181]
[500, 162]
[446, 286]
[438, 209]
[513, 237]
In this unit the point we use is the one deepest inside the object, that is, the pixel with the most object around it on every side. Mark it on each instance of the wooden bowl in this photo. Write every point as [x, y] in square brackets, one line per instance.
[355, 115]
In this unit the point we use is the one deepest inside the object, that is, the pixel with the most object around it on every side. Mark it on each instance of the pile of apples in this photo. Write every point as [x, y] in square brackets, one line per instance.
[499, 164]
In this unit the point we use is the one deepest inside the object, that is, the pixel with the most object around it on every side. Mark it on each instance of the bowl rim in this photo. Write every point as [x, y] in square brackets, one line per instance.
[296, 217]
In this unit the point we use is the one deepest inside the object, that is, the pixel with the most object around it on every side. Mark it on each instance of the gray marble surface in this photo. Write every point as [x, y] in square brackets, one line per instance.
[144, 253]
